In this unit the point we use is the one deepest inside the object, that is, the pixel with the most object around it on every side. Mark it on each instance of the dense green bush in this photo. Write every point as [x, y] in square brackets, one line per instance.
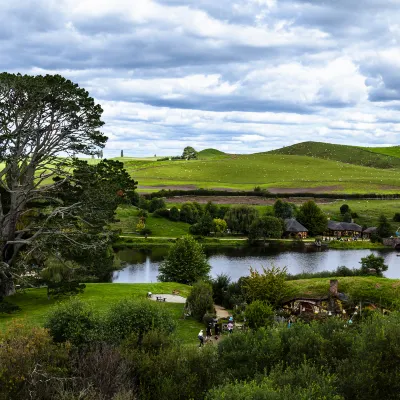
[73, 321]
[200, 300]
[131, 316]
[259, 314]
[174, 214]
[396, 217]
[161, 213]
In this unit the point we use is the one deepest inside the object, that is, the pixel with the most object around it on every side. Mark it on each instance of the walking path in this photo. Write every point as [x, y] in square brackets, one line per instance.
[221, 312]
[169, 298]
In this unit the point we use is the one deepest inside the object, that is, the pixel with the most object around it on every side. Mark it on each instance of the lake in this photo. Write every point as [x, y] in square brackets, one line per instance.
[141, 266]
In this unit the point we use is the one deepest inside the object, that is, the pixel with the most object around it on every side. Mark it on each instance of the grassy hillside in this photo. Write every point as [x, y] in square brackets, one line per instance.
[211, 153]
[346, 154]
[274, 171]
[393, 151]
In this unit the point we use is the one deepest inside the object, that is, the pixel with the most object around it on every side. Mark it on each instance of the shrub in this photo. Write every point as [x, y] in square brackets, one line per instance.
[143, 213]
[161, 213]
[200, 300]
[156, 203]
[131, 316]
[396, 217]
[30, 363]
[72, 321]
[373, 262]
[143, 203]
[344, 209]
[146, 231]
[219, 287]
[259, 314]
[174, 214]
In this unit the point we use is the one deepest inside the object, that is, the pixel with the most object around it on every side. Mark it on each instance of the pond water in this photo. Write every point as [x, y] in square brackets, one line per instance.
[141, 266]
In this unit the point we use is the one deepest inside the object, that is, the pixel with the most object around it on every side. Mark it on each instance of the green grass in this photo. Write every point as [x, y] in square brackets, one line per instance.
[100, 296]
[268, 171]
[343, 153]
[163, 227]
[393, 151]
[211, 153]
[379, 290]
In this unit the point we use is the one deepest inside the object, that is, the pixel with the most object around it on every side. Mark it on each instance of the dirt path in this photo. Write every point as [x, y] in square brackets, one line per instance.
[221, 312]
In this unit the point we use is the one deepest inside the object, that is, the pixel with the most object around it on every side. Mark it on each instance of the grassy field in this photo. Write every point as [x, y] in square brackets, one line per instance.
[347, 154]
[281, 173]
[35, 305]
[393, 151]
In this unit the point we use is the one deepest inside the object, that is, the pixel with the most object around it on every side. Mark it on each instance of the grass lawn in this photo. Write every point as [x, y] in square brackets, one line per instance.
[393, 151]
[163, 227]
[100, 296]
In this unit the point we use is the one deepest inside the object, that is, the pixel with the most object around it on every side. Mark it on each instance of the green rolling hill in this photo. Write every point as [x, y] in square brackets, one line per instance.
[211, 153]
[346, 154]
[393, 151]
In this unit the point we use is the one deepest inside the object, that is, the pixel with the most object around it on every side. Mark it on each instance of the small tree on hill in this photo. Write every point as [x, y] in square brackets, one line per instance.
[283, 209]
[156, 203]
[346, 217]
[259, 314]
[219, 226]
[185, 263]
[313, 218]
[396, 217]
[189, 153]
[240, 218]
[174, 214]
[384, 229]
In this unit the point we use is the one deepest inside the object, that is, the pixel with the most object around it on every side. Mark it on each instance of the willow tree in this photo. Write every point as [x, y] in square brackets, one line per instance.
[45, 121]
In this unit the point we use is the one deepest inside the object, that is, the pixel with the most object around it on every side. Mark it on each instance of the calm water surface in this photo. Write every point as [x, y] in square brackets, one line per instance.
[142, 265]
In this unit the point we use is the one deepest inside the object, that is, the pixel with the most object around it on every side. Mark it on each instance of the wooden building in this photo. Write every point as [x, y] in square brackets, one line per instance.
[339, 229]
[293, 229]
[368, 232]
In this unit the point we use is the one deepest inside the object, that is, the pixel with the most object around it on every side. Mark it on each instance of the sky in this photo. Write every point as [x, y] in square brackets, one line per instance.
[242, 76]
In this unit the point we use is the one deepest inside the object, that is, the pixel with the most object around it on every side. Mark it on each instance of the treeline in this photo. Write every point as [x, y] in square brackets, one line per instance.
[265, 193]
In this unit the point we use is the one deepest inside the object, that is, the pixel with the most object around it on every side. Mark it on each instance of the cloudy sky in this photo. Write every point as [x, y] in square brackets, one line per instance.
[238, 75]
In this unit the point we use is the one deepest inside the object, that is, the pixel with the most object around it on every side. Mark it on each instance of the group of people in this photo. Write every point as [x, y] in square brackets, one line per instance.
[213, 325]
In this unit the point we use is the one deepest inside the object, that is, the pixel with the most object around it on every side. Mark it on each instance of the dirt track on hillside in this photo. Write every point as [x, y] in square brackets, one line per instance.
[249, 200]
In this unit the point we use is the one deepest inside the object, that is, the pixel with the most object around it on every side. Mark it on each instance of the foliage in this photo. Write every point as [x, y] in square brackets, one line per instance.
[384, 229]
[130, 316]
[203, 227]
[29, 159]
[190, 212]
[146, 232]
[219, 226]
[142, 213]
[375, 263]
[344, 209]
[313, 218]
[266, 227]
[259, 314]
[144, 204]
[174, 214]
[161, 213]
[72, 321]
[189, 153]
[283, 209]
[185, 263]
[219, 288]
[268, 286]
[27, 356]
[347, 217]
[8, 308]
[156, 203]
[212, 209]
[200, 300]
[240, 218]
[396, 217]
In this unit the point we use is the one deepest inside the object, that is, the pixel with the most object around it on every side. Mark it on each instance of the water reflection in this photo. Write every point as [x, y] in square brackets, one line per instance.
[142, 265]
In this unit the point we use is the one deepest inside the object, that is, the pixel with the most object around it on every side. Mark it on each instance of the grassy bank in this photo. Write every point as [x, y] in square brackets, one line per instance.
[380, 290]
[35, 305]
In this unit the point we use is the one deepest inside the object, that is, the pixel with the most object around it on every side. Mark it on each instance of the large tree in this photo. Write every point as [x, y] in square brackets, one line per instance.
[185, 263]
[266, 227]
[313, 218]
[240, 218]
[44, 122]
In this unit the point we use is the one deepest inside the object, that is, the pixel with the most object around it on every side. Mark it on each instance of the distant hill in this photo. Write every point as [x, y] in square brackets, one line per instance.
[393, 151]
[211, 153]
[346, 154]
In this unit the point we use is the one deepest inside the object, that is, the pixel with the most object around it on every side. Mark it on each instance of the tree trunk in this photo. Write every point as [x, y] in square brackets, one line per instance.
[7, 287]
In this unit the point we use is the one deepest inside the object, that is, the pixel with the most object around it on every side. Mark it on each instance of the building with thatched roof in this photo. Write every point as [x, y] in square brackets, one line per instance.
[339, 229]
[368, 232]
[294, 228]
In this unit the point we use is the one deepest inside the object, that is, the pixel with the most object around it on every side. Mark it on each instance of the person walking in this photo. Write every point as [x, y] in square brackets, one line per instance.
[201, 338]
[216, 330]
[208, 332]
[230, 327]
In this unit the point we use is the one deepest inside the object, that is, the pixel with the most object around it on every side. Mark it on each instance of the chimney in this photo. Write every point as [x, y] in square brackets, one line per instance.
[333, 289]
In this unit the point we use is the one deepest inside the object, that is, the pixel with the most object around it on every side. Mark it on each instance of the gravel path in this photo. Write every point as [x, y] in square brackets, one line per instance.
[170, 298]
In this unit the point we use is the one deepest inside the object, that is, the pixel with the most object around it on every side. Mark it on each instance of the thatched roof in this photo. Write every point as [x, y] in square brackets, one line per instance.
[371, 229]
[291, 225]
[344, 226]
